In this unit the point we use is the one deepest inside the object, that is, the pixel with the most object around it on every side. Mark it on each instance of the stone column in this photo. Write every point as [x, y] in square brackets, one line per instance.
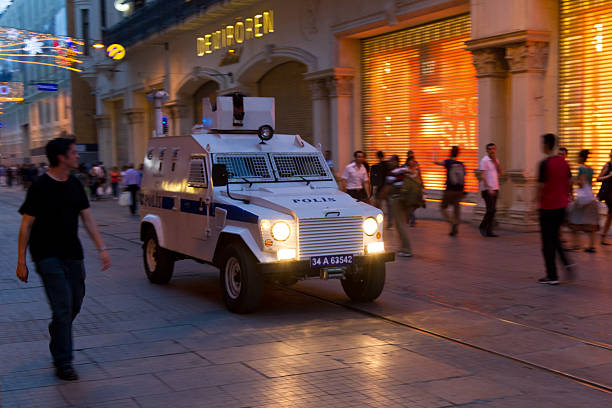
[340, 86]
[527, 62]
[137, 135]
[320, 113]
[180, 118]
[106, 153]
[491, 69]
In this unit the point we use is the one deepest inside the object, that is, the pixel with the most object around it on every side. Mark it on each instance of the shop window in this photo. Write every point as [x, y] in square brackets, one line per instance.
[585, 94]
[420, 93]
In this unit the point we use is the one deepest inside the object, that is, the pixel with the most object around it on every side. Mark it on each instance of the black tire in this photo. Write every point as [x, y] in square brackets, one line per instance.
[241, 284]
[367, 284]
[159, 264]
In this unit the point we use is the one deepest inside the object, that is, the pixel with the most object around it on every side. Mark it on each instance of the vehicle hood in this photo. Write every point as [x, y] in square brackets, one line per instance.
[308, 203]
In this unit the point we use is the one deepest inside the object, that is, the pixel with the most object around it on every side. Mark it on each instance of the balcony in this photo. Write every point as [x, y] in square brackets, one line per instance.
[154, 18]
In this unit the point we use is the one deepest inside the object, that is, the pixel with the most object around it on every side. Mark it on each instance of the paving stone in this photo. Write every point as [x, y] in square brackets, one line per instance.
[467, 389]
[134, 350]
[213, 375]
[250, 352]
[291, 365]
[330, 343]
[573, 357]
[154, 364]
[43, 377]
[210, 397]
[166, 333]
[111, 389]
[43, 397]
[122, 403]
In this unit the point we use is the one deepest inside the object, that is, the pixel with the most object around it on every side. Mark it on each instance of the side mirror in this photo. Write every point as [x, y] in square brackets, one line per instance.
[220, 177]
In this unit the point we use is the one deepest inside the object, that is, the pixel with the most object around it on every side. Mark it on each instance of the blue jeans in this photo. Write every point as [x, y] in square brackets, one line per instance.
[64, 282]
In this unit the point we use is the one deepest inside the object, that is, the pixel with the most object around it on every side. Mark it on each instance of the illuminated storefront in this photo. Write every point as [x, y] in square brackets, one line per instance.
[585, 96]
[420, 93]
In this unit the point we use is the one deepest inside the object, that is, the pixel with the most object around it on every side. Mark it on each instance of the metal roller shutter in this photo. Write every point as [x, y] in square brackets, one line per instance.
[420, 93]
[585, 95]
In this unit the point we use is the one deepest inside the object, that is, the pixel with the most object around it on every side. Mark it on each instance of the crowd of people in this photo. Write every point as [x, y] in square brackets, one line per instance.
[98, 182]
[562, 199]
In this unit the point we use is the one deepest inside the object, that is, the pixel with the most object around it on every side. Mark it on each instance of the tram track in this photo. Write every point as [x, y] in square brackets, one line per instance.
[572, 377]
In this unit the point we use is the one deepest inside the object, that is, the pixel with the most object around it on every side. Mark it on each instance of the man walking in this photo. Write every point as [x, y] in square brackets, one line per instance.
[131, 180]
[355, 180]
[489, 188]
[50, 228]
[455, 189]
[553, 197]
[378, 176]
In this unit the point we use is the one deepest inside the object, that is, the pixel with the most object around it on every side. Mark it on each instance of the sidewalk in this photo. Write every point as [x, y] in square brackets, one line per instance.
[142, 345]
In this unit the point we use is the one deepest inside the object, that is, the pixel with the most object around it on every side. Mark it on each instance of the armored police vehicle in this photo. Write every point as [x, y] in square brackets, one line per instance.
[257, 205]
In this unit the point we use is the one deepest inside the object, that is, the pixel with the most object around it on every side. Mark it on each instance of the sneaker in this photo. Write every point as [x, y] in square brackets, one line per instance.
[404, 254]
[548, 281]
[590, 250]
[492, 235]
[454, 230]
[66, 373]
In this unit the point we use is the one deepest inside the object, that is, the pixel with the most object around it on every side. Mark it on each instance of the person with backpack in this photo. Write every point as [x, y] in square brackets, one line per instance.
[455, 188]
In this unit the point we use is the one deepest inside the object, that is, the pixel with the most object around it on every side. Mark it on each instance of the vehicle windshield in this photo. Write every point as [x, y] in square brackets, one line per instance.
[274, 167]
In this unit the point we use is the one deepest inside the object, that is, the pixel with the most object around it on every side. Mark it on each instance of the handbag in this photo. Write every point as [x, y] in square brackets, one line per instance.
[125, 199]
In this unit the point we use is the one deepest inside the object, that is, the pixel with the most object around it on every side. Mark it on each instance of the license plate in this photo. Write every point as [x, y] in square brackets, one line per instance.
[330, 260]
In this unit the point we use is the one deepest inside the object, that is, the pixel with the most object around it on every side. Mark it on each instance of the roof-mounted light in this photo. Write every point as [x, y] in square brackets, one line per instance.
[265, 133]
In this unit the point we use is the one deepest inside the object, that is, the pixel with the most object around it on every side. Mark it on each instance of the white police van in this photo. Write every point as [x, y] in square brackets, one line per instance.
[257, 205]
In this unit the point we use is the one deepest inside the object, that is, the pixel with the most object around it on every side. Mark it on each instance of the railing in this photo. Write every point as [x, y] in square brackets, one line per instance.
[153, 18]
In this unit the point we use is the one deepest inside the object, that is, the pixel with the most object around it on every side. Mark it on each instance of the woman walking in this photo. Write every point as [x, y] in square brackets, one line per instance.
[605, 194]
[584, 211]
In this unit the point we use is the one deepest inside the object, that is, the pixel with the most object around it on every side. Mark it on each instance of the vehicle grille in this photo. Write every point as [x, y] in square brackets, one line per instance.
[330, 236]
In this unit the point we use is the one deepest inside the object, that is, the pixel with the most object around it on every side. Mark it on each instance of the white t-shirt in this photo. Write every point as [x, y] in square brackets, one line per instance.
[491, 175]
[355, 177]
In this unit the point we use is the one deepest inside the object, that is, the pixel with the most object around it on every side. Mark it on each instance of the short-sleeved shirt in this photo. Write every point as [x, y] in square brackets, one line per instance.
[491, 175]
[555, 176]
[355, 176]
[455, 175]
[56, 206]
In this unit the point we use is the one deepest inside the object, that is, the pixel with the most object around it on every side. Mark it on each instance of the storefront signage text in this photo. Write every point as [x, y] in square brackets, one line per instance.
[241, 31]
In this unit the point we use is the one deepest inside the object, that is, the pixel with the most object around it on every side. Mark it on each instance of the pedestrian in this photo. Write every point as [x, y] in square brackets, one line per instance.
[49, 227]
[131, 181]
[395, 180]
[354, 180]
[94, 181]
[605, 195]
[2, 175]
[553, 194]
[378, 177]
[115, 177]
[563, 152]
[489, 187]
[412, 190]
[10, 176]
[584, 210]
[455, 189]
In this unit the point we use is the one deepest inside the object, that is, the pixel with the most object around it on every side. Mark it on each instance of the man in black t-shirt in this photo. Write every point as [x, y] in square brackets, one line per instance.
[49, 226]
[455, 189]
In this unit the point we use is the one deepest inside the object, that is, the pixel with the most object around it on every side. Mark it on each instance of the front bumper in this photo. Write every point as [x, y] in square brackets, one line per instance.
[303, 269]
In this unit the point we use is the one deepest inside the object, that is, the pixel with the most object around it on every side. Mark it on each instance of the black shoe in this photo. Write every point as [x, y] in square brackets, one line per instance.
[590, 250]
[66, 373]
[454, 230]
[491, 235]
[483, 232]
[548, 281]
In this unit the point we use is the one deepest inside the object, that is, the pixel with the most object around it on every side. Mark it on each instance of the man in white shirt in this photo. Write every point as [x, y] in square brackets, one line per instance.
[489, 186]
[355, 179]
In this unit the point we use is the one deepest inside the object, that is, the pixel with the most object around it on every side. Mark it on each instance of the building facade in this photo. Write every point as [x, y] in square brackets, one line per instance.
[44, 115]
[397, 75]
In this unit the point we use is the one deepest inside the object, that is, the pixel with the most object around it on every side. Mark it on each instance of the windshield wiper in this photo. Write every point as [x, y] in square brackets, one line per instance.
[304, 179]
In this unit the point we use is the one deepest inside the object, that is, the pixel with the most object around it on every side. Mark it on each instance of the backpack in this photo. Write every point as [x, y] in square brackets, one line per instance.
[377, 175]
[456, 176]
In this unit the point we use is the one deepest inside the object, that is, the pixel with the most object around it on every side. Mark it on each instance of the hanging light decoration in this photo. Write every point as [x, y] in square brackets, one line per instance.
[29, 47]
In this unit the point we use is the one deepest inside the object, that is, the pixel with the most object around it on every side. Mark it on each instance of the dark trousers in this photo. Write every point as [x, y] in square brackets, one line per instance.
[64, 282]
[550, 228]
[359, 194]
[489, 218]
[115, 187]
[133, 189]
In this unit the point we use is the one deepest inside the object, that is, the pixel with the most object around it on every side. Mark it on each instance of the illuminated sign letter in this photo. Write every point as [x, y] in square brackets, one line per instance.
[223, 38]
[258, 26]
[229, 32]
[207, 44]
[239, 32]
[248, 23]
[216, 40]
[200, 46]
[268, 22]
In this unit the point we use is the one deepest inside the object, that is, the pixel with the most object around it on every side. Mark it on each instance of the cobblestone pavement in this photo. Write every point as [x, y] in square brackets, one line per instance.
[462, 323]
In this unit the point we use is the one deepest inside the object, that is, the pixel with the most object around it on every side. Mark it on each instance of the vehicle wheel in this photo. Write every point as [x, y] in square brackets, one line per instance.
[367, 284]
[242, 285]
[158, 261]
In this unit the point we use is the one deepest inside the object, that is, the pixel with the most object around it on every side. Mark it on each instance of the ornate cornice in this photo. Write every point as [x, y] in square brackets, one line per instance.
[527, 57]
[319, 89]
[489, 62]
[134, 116]
[338, 80]
[103, 121]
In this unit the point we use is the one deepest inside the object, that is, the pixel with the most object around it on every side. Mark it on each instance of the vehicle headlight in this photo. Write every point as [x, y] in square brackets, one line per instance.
[370, 226]
[379, 218]
[281, 231]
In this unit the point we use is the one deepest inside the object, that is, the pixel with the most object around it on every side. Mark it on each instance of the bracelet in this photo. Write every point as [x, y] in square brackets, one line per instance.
[102, 249]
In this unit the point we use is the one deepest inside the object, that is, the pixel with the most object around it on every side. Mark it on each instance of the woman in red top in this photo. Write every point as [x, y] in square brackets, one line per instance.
[115, 178]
